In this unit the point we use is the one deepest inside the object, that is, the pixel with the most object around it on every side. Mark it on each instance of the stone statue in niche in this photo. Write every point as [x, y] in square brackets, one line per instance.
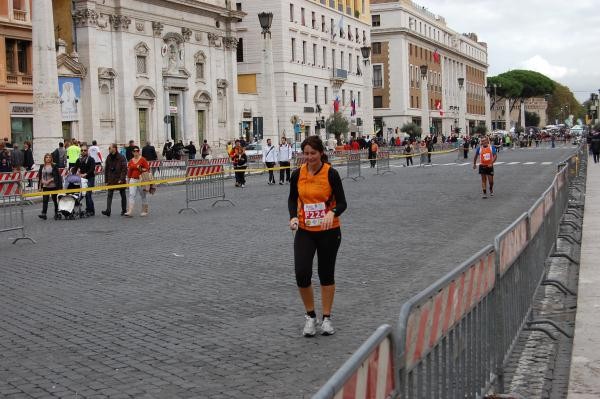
[173, 61]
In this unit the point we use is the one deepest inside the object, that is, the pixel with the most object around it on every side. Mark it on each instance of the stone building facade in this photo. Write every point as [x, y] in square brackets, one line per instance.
[316, 58]
[16, 65]
[147, 70]
[406, 36]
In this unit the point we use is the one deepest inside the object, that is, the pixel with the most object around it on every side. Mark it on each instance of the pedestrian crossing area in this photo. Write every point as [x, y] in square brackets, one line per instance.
[499, 163]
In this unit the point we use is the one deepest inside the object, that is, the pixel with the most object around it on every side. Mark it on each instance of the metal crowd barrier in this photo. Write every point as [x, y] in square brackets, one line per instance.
[454, 338]
[368, 373]
[353, 169]
[383, 163]
[202, 183]
[11, 205]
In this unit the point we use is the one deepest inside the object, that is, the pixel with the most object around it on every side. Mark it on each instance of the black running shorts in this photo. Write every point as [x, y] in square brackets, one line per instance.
[486, 170]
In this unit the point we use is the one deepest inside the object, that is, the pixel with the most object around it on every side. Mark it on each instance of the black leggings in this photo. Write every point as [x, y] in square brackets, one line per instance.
[326, 244]
[46, 198]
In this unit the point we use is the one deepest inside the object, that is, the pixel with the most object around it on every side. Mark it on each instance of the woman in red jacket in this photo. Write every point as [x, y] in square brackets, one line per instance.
[136, 166]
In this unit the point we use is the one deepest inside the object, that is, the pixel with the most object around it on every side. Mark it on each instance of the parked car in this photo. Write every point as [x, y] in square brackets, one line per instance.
[254, 149]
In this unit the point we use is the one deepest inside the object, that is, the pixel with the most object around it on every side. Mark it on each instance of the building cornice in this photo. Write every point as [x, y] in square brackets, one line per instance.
[410, 34]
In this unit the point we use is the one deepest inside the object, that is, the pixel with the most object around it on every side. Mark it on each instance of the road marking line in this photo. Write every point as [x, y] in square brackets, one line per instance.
[546, 163]
[447, 164]
[499, 163]
[512, 163]
[464, 163]
[529, 163]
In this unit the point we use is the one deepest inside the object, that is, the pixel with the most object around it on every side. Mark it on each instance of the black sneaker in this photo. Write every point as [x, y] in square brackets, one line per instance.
[281, 183]
[43, 216]
[106, 213]
[123, 213]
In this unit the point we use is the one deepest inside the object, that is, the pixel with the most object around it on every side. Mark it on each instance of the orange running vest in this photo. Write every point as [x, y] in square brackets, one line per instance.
[315, 199]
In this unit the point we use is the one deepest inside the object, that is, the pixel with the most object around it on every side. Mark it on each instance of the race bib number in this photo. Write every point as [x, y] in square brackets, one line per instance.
[487, 156]
[314, 214]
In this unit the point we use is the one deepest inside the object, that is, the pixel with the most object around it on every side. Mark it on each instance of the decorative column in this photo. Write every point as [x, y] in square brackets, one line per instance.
[47, 121]
[268, 100]
[367, 99]
[523, 114]
[424, 102]
[507, 115]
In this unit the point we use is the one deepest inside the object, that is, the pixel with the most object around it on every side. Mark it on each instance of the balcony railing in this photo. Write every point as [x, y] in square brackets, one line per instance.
[19, 80]
[20, 15]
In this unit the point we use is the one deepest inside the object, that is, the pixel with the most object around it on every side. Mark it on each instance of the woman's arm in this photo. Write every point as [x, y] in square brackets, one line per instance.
[293, 197]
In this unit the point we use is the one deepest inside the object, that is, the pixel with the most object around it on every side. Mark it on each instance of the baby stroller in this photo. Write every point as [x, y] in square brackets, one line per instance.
[69, 205]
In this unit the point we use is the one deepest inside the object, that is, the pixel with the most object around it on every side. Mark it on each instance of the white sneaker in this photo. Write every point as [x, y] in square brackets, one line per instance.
[327, 327]
[310, 326]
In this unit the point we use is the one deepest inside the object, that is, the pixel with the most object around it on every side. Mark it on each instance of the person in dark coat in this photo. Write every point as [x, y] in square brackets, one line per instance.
[28, 159]
[191, 149]
[595, 145]
[17, 158]
[149, 152]
[129, 150]
[86, 167]
[49, 180]
[115, 172]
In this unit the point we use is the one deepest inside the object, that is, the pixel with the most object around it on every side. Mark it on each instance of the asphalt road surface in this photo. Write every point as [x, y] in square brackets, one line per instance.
[205, 305]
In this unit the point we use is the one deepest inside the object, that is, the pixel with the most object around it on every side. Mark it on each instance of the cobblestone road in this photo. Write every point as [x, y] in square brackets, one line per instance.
[205, 306]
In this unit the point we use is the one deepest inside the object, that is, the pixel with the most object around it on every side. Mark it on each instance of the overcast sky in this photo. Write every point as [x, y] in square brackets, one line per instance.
[557, 38]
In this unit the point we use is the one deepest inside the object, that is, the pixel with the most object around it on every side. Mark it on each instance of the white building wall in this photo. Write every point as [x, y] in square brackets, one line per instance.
[105, 42]
[288, 72]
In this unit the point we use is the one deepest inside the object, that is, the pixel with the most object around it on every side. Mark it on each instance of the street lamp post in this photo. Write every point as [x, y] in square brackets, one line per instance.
[269, 103]
[424, 101]
[462, 109]
[367, 105]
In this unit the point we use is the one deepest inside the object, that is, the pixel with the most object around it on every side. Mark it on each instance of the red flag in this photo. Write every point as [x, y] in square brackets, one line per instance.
[336, 105]
[438, 106]
[436, 56]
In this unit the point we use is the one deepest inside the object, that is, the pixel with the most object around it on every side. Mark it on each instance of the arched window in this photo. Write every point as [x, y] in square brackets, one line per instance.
[200, 62]
[141, 58]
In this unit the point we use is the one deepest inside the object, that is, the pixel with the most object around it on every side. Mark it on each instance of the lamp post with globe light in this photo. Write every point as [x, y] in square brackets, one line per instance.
[268, 100]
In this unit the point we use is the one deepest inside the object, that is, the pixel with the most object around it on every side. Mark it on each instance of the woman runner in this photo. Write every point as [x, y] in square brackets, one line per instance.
[315, 203]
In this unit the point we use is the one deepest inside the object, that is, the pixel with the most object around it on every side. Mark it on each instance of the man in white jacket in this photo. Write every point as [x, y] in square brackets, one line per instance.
[270, 159]
[285, 156]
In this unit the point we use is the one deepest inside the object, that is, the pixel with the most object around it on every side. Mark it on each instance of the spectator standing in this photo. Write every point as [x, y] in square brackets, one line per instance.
[205, 150]
[5, 164]
[129, 150]
[465, 148]
[167, 151]
[49, 180]
[355, 146]
[115, 172]
[408, 150]
[17, 158]
[177, 150]
[269, 157]
[86, 168]
[595, 146]
[149, 152]
[28, 161]
[136, 166]
[429, 144]
[240, 161]
[73, 152]
[373, 148]
[191, 149]
[59, 156]
[94, 152]
[284, 156]
[7, 144]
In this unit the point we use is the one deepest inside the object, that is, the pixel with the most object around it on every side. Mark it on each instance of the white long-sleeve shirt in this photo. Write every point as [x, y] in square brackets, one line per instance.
[269, 154]
[285, 153]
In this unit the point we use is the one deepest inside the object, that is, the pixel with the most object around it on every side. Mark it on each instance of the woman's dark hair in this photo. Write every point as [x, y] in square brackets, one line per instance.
[315, 143]
[135, 148]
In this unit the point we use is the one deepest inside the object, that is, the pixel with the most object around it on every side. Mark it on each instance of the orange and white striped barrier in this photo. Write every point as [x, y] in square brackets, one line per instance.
[198, 171]
[10, 183]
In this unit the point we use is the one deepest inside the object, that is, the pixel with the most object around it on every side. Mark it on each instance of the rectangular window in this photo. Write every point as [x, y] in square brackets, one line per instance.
[302, 17]
[22, 56]
[316, 94]
[305, 93]
[10, 56]
[343, 97]
[350, 62]
[376, 48]
[199, 70]
[314, 54]
[314, 20]
[238, 6]
[324, 57]
[331, 27]
[351, 96]
[240, 50]
[143, 123]
[377, 76]
[332, 3]
[141, 64]
[377, 102]
[291, 12]
[358, 99]
[304, 51]
[295, 91]
[375, 20]
[293, 49]
[322, 23]
[341, 60]
[358, 65]
[333, 58]
[325, 95]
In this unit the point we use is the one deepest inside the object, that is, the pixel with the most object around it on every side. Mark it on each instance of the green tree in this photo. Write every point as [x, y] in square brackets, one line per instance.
[338, 125]
[532, 119]
[562, 103]
[519, 84]
[412, 129]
